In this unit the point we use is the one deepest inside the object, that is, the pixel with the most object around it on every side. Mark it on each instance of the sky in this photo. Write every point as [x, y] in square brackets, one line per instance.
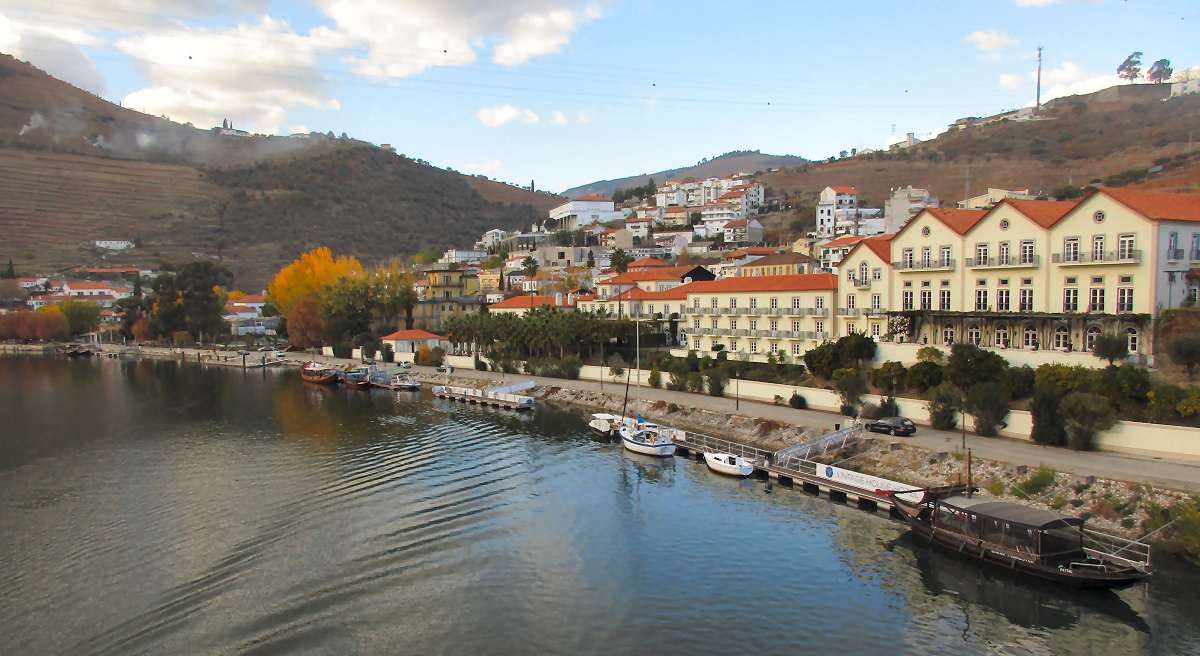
[565, 92]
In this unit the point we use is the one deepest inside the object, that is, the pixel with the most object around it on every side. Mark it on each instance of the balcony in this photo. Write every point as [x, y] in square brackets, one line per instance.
[723, 311]
[1133, 256]
[817, 312]
[794, 312]
[1026, 262]
[934, 265]
[762, 333]
[847, 312]
[742, 332]
[874, 312]
[1174, 254]
[820, 336]
[1194, 256]
[722, 331]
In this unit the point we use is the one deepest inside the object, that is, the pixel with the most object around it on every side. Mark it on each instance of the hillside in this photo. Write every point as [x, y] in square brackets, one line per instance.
[75, 168]
[717, 167]
[1083, 138]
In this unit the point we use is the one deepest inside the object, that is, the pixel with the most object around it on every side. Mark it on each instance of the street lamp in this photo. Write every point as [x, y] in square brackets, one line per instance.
[963, 419]
[737, 390]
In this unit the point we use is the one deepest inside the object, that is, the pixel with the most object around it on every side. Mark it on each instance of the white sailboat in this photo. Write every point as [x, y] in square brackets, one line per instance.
[640, 436]
[729, 464]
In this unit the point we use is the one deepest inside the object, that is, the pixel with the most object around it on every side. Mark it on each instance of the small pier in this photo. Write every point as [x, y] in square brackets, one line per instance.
[498, 397]
[791, 466]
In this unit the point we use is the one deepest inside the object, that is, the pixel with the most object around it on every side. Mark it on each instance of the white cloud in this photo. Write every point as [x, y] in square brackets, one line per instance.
[535, 34]
[1066, 74]
[1010, 81]
[55, 50]
[1089, 85]
[487, 168]
[558, 119]
[493, 117]
[250, 74]
[583, 116]
[991, 40]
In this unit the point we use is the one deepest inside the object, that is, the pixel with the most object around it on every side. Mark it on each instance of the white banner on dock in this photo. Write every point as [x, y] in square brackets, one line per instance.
[866, 482]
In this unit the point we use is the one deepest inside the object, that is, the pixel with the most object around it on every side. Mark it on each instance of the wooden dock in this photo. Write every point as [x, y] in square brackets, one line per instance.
[484, 397]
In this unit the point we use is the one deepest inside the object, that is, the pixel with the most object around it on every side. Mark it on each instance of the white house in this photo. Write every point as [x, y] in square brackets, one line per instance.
[585, 210]
[86, 289]
[113, 244]
[491, 239]
[639, 227]
[671, 195]
[27, 283]
[993, 196]
[743, 231]
[903, 204]
[1187, 86]
[411, 341]
[454, 256]
[831, 200]
[677, 217]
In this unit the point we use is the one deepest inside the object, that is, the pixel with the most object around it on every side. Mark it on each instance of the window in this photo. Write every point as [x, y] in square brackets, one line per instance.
[944, 299]
[1026, 281]
[1132, 336]
[1070, 300]
[714, 324]
[908, 300]
[1096, 300]
[696, 344]
[1030, 335]
[908, 283]
[1027, 252]
[926, 259]
[795, 302]
[733, 303]
[796, 350]
[849, 301]
[820, 326]
[820, 302]
[981, 254]
[714, 302]
[876, 302]
[1026, 300]
[981, 299]
[696, 302]
[948, 334]
[862, 271]
[926, 299]
[1002, 335]
[1089, 340]
[753, 325]
[1062, 337]
[1071, 249]
[774, 325]
[945, 283]
[1098, 248]
[926, 283]
[774, 303]
[1125, 280]
[851, 329]
[795, 326]
[973, 334]
[650, 309]
[906, 260]
[1173, 252]
[1003, 255]
[876, 274]
[944, 256]
[1125, 249]
[1125, 299]
[753, 303]
[1069, 280]
[774, 348]
[753, 346]
[1002, 281]
[696, 323]
[875, 330]
[732, 325]
[982, 282]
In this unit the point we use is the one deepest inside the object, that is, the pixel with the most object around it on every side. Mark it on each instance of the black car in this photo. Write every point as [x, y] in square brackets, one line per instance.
[892, 426]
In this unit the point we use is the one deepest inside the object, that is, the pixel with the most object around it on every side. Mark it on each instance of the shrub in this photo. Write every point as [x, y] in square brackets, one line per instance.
[881, 377]
[1085, 415]
[387, 353]
[849, 386]
[778, 400]
[924, 376]
[988, 403]
[1185, 351]
[183, 337]
[678, 376]
[342, 349]
[856, 348]
[1067, 379]
[823, 360]
[797, 401]
[695, 382]
[1037, 481]
[672, 408]
[1126, 388]
[655, 378]
[1019, 382]
[888, 407]
[870, 411]
[943, 402]
[248, 340]
[437, 355]
[848, 410]
[995, 487]
[1111, 347]
[716, 382]
[930, 354]
[969, 365]
[1048, 426]
[569, 367]
[616, 367]
[1164, 403]
[480, 365]
[368, 350]
[424, 356]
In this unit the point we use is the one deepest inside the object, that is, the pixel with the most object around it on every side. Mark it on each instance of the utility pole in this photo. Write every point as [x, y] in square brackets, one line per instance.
[1038, 110]
[968, 196]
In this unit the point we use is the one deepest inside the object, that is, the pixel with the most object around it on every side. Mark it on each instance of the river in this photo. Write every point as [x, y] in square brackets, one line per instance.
[152, 507]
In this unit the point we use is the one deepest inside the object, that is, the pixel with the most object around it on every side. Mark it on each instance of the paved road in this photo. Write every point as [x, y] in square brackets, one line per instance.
[1161, 472]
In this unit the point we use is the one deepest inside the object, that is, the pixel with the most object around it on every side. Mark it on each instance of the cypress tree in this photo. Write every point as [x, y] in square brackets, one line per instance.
[1048, 425]
[11, 273]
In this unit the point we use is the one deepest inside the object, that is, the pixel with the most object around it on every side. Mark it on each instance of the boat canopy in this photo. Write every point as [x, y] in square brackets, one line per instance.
[1013, 513]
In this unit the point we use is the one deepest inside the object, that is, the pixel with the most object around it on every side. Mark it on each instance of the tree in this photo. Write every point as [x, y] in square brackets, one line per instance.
[346, 307]
[530, 266]
[883, 376]
[943, 402]
[970, 364]
[823, 360]
[308, 276]
[1111, 347]
[189, 299]
[716, 381]
[304, 324]
[924, 376]
[82, 316]
[856, 347]
[929, 354]
[678, 371]
[616, 367]
[1085, 415]
[987, 402]
[850, 387]
[620, 260]
[1185, 351]
[10, 273]
[1048, 426]
[1160, 71]
[1131, 68]
[655, 379]
[51, 324]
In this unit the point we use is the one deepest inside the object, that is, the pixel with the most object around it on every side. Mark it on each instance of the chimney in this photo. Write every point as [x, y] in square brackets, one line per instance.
[558, 299]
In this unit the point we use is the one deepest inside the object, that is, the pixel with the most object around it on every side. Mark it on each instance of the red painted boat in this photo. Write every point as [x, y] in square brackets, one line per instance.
[315, 372]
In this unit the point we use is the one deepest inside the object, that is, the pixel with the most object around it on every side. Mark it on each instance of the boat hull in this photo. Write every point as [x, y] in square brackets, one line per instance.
[1090, 579]
[718, 463]
[631, 442]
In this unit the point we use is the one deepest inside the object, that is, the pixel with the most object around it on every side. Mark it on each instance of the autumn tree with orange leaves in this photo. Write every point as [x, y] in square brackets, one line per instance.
[307, 277]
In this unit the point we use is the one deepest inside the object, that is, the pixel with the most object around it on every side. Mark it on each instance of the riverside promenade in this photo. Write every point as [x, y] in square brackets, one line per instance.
[1158, 472]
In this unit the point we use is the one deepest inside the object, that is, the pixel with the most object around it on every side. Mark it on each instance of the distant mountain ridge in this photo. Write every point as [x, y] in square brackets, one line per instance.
[717, 167]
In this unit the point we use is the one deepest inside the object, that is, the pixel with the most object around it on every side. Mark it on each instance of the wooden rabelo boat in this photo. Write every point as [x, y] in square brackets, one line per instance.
[1038, 542]
[316, 372]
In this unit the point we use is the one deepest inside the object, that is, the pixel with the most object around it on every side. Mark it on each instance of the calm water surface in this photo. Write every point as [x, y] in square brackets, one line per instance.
[148, 507]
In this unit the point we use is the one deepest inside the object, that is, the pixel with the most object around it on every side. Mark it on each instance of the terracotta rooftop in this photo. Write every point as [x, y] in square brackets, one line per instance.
[799, 282]
[1157, 205]
[411, 334]
[1042, 212]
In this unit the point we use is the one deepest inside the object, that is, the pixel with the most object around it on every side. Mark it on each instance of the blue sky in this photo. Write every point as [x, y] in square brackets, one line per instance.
[566, 92]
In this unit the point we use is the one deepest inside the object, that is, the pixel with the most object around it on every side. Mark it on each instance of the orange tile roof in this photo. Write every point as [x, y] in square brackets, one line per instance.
[1157, 205]
[844, 190]
[797, 283]
[737, 223]
[881, 245]
[411, 334]
[638, 294]
[648, 262]
[844, 240]
[1042, 212]
[676, 210]
[776, 259]
[527, 302]
[592, 197]
[251, 298]
[959, 221]
[657, 273]
[92, 285]
[751, 250]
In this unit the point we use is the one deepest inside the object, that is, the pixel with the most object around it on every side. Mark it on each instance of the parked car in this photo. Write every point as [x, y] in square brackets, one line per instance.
[295, 349]
[892, 426]
[445, 368]
[268, 348]
[405, 365]
[243, 352]
[368, 360]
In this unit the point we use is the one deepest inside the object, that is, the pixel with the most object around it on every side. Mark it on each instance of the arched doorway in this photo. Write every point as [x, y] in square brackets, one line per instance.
[1089, 339]
[973, 334]
[1002, 336]
[948, 334]
[1029, 336]
[1132, 335]
[1062, 337]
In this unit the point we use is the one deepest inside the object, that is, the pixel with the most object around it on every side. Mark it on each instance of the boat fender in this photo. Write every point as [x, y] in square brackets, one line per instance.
[961, 546]
[672, 439]
[1014, 564]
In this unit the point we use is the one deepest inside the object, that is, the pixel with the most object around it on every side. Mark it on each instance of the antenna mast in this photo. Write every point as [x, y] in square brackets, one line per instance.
[1038, 109]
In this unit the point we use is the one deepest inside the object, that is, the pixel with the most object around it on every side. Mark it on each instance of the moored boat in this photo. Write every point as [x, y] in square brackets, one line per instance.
[316, 372]
[728, 464]
[605, 424]
[648, 439]
[403, 380]
[1033, 541]
[358, 378]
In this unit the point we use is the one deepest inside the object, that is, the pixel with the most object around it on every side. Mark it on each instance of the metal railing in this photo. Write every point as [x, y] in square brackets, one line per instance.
[794, 457]
[718, 445]
[1131, 552]
[932, 265]
[848, 312]
[1132, 256]
[1004, 262]
[1174, 253]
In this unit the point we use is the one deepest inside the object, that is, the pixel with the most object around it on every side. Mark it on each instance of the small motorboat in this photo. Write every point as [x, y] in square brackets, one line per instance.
[605, 424]
[729, 464]
[648, 439]
[317, 372]
[398, 381]
[358, 378]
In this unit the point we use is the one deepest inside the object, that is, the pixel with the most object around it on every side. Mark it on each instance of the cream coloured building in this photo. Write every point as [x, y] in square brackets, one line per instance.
[865, 288]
